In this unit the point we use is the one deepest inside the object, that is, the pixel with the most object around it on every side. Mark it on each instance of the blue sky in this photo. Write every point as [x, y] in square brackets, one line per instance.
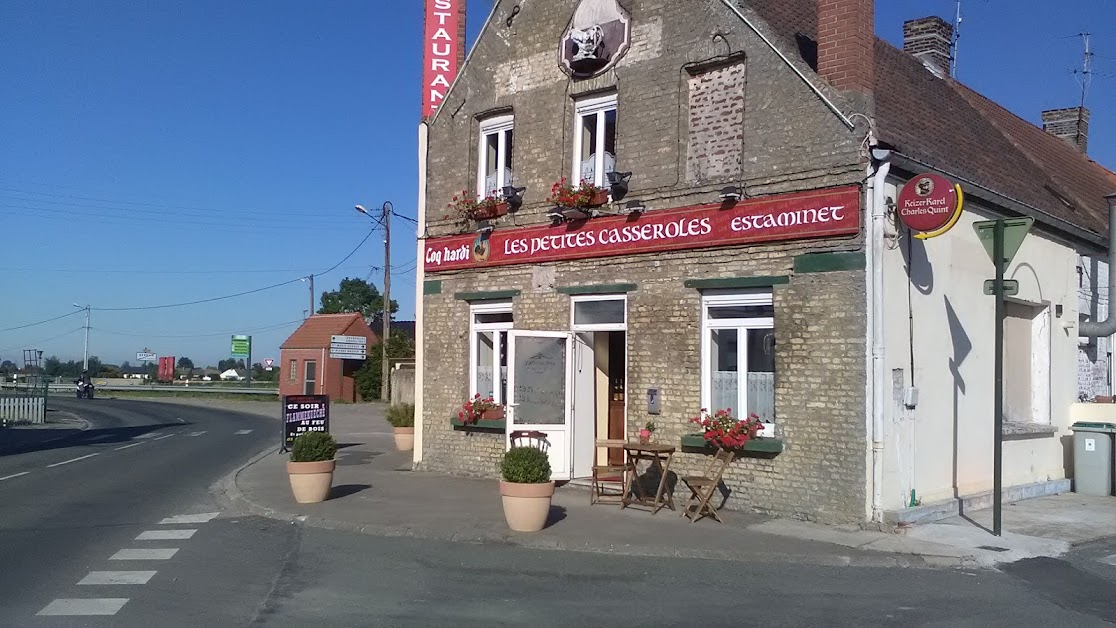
[163, 152]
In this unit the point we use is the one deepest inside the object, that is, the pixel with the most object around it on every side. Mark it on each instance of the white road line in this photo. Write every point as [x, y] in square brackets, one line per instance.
[1109, 560]
[14, 475]
[204, 517]
[147, 435]
[127, 446]
[179, 419]
[165, 535]
[117, 577]
[199, 433]
[88, 606]
[242, 432]
[162, 437]
[145, 554]
[58, 464]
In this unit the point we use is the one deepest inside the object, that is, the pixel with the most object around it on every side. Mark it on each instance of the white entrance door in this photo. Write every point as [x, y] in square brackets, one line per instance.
[539, 392]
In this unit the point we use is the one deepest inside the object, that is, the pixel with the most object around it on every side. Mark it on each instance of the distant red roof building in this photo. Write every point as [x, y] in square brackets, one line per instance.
[305, 366]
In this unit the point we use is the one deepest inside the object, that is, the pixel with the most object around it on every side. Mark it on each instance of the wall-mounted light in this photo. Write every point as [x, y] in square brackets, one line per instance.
[618, 182]
[730, 194]
[569, 214]
[484, 226]
[513, 196]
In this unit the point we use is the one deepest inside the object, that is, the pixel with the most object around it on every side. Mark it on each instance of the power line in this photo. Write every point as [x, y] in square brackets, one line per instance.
[167, 272]
[156, 205]
[152, 218]
[56, 318]
[200, 335]
[41, 342]
[231, 296]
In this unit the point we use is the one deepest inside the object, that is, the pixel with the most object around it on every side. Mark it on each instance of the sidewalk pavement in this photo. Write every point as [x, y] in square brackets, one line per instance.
[376, 492]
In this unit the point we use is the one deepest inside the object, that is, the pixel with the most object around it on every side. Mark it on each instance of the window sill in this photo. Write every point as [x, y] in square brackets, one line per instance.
[498, 425]
[1027, 430]
[757, 447]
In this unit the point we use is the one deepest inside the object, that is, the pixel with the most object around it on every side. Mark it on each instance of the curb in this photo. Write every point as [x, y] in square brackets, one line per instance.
[229, 495]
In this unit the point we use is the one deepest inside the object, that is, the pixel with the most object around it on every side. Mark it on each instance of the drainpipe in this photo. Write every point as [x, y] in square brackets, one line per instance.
[877, 208]
[1107, 327]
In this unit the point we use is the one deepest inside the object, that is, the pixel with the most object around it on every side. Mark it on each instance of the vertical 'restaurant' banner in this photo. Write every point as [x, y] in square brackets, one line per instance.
[441, 39]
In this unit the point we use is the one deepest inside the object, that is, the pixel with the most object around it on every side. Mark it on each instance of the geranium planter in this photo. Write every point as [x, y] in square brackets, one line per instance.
[598, 199]
[495, 414]
[404, 438]
[487, 212]
[311, 481]
[526, 506]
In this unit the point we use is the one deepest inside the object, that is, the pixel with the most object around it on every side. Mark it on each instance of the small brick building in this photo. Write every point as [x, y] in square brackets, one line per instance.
[733, 266]
[305, 366]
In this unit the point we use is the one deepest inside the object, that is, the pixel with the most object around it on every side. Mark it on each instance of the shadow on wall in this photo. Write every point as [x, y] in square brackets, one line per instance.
[962, 346]
[919, 270]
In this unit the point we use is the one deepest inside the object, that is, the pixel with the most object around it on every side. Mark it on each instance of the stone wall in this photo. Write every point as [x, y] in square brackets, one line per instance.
[788, 141]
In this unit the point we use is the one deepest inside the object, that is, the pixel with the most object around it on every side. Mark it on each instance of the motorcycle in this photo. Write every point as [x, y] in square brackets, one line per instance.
[84, 390]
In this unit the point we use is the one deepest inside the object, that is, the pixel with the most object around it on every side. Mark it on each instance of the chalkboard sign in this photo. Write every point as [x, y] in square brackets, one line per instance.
[304, 413]
[540, 380]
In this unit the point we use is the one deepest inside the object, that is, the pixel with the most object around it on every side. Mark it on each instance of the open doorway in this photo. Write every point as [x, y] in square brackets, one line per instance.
[600, 389]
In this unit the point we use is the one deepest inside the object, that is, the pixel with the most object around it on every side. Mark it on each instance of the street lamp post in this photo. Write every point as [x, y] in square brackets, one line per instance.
[85, 352]
[385, 221]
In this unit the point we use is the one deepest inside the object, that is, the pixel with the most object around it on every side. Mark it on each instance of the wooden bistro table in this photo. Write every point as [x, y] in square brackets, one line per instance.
[656, 456]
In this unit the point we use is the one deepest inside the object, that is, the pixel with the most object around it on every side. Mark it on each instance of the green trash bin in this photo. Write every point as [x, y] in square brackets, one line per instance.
[1092, 457]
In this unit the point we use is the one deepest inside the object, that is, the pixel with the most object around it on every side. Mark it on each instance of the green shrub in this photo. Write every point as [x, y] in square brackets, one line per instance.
[401, 415]
[525, 465]
[313, 447]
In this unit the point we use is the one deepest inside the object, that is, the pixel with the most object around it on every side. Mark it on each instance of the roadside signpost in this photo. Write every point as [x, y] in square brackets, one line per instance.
[1001, 238]
[348, 347]
[146, 356]
[241, 347]
[268, 364]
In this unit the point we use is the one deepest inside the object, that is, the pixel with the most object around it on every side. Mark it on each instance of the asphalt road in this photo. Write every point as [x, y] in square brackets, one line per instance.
[65, 525]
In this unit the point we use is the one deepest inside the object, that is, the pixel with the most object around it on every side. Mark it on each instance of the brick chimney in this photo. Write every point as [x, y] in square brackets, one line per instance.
[846, 42]
[930, 40]
[1072, 125]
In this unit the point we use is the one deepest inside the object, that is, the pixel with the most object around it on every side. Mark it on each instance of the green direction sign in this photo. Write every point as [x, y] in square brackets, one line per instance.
[1015, 231]
[241, 346]
[1011, 287]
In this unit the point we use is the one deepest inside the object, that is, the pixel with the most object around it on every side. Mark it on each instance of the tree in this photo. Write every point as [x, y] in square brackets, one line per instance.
[368, 377]
[125, 365]
[356, 295]
[52, 366]
[185, 363]
[8, 367]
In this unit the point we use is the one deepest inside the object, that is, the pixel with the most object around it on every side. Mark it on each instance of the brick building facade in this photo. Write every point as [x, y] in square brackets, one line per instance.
[305, 367]
[699, 100]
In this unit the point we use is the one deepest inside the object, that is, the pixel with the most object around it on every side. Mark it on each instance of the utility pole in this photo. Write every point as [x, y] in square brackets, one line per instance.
[85, 352]
[311, 295]
[384, 370]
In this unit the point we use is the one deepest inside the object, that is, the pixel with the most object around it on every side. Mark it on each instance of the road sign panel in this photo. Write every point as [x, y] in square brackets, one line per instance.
[354, 340]
[146, 356]
[1011, 287]
[241, 346]
[268, 362]
[1015, 231]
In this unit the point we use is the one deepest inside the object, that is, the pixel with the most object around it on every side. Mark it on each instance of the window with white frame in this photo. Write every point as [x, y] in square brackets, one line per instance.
[738, 355]
[594, 139]
[599, 313]
[494, 164]
[488, 350]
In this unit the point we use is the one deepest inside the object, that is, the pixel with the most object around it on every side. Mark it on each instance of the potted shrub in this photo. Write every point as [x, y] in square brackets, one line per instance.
[480, 408]
[526, 488]
[402, 419]
[583, 196]
[313, 459]
[467, 206]
[646, 432]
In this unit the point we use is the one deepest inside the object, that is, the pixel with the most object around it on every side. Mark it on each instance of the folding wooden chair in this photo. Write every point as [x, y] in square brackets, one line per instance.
[703, 486]
[609, 480]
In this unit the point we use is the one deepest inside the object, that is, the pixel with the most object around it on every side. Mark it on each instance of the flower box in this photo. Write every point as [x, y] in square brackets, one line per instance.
[772, 446]
[484, 425]
[598, 199]
[487, 212]
[495, 414]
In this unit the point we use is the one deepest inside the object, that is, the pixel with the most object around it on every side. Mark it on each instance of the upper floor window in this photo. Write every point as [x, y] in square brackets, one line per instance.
[594, 139]
[494, 166]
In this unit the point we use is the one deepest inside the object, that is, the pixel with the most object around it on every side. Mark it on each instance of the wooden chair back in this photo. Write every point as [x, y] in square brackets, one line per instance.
[529, 438]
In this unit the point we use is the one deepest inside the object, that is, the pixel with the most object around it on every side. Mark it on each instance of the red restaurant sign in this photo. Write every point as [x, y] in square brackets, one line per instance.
[929, 204]
[814, 214]
[439, 57]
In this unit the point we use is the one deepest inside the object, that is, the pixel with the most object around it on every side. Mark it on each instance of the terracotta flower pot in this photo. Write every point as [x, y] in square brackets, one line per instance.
[598, 199]
[644, 436]
[495, 414]
[490, 211]
[311, 481]
[526, 506]
[404, 438]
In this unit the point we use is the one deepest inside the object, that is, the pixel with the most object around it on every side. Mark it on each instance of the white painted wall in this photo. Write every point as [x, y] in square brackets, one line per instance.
[943, 447]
